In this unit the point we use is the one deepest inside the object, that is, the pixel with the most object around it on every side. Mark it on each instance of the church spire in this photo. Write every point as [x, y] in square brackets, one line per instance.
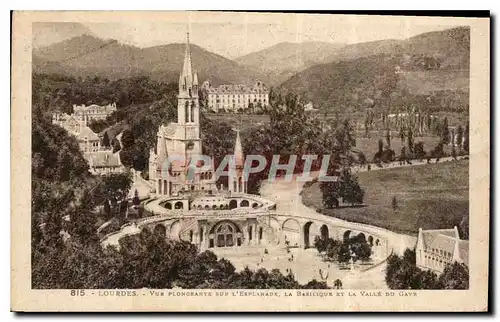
[238, 151]
[186, 77]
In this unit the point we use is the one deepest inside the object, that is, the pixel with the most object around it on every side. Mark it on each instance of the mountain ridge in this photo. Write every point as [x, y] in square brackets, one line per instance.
[430, 67]
[88, 55]
[283, 60]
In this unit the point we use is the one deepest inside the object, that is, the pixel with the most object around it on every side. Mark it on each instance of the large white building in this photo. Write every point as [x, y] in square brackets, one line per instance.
[85, 114]
[182, 140]
[93, 112]
[440, 247]
[234, 98]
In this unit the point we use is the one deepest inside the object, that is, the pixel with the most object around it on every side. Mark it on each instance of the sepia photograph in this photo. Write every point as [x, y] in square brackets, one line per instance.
[269, 155]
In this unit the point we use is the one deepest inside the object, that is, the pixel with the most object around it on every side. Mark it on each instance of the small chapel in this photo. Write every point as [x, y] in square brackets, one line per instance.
[181, 141]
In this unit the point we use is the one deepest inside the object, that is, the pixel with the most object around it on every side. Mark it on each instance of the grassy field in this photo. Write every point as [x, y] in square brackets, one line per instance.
[428, 196]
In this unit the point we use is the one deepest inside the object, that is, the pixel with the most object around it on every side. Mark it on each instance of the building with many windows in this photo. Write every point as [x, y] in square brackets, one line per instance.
[93, 112]
[85, 114]
[235, 98]
[440, 247]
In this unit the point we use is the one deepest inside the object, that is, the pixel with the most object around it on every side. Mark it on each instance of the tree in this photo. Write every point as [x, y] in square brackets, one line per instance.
[127, 139]
[402, 136]
[419, 150]
[351, 191]
[464, 226]
[380, 146]
[116, 145]
[466, 139]
[388, 137]
[460, 137]
[127, 157]
[410, 141]
[445, 132]
[314, 284]
[105, 139]
[320, 244]
[343, 253]
[388, 155]
[455, 277]
[330, 191]
[394, 203]
[438, 151]
[402, 156]
[453, 152]
[426, 280]
[136, 201]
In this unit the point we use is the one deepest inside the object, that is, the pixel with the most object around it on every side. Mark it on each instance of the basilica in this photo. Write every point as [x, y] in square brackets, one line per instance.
[185, 200]
[171, 170]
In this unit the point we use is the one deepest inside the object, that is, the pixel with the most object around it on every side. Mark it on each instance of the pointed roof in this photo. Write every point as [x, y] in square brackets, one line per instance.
[238, 151]
[447, 240]
[104, 159]
[86, 133]
[186, 74]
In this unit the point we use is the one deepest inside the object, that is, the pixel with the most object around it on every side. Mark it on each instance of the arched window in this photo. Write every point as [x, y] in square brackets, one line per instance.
[192, 111]
[225, 235]
[186, 116]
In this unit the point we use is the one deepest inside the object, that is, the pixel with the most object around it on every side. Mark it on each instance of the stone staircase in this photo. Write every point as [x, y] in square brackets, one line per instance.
[187, 225]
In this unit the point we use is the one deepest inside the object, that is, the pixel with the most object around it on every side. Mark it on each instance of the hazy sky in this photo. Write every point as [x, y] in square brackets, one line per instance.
[236, 34]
